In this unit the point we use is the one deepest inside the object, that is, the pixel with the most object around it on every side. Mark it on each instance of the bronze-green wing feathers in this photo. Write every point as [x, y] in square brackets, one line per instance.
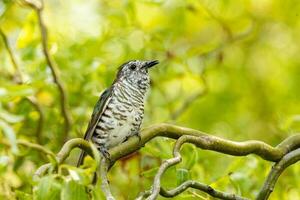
[98, 111]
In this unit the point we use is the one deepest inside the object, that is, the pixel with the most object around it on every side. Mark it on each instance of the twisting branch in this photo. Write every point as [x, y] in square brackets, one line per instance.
[277, 169]
[198, 138]
[64, 153]
[104, 182]
[156, 188]
[199, 186]
[38, 7]
[206, 141]
[18, 78]
[190, 184]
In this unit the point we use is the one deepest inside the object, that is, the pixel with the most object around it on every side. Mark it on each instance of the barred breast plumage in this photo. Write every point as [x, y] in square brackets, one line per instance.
[122, 117]
[119, 112]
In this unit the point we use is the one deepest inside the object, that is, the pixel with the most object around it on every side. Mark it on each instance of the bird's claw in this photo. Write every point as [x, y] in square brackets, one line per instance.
[139, 136]
[105, 153]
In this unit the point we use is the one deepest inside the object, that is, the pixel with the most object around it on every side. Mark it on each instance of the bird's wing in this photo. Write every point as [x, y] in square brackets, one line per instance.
[98, 111]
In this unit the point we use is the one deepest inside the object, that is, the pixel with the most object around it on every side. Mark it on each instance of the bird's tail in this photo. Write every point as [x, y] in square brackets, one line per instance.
[81, 158]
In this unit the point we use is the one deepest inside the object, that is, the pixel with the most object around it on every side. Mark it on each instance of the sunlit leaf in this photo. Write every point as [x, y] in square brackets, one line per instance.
[26, 36]
[182, 175]
[150, 173]
[192, 158]
[15, 91]
[9, 133]
[48, 188]
[73, 191]
[10, 118]
[3, 162]
[23, 196]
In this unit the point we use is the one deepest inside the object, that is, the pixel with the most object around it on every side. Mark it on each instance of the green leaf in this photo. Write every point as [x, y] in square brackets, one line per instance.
[182, 175]
[27, 33]
[48, 188]
[23, 196]
[8, 92]
[10, 135]
[82, 176]
[4, 161]
[289, 121]
[10, 118]
[73, 191]
[193, 158]
[150, 173]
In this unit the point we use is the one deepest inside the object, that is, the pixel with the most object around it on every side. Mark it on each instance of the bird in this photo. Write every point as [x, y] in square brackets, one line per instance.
[119, 111]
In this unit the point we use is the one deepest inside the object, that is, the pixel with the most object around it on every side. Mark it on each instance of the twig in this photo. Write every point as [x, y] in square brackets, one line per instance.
[156, 188]
[18, 78]
[38, 7]
[143, 195]
[34, 146]
[277, 169]
[65, 152]
[41, 171]
[164, 166]
[104, 182]
[199, 186]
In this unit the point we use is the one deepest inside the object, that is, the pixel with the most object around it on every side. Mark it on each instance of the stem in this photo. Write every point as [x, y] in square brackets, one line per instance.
[18, 78]
[277, 169]
[53, 68]
[156, 188]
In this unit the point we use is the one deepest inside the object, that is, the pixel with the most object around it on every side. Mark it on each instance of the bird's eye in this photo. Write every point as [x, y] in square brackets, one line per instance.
[132, 67]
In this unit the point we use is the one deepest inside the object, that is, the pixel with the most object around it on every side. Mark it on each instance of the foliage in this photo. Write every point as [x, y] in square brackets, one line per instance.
[229, 68]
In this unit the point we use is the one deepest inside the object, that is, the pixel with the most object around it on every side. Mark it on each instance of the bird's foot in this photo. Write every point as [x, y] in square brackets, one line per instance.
[105, 153]
[139, 136]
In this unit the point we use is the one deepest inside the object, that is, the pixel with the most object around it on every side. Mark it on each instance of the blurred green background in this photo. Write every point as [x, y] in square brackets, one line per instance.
[230, 68]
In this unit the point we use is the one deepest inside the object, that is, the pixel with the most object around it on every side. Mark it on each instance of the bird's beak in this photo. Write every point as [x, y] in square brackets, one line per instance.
[150, 64]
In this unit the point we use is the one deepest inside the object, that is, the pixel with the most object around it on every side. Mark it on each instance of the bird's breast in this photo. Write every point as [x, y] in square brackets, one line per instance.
[126, 111]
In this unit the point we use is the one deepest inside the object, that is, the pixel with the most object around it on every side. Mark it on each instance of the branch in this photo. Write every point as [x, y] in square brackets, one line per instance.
[156, 188]
[199, 186]
[38, 7]
[37, 147]
[18, 78]
[207, 142]
[198, 138]
[277, 169]
[104, 182]
[64, 153]
[203, 141]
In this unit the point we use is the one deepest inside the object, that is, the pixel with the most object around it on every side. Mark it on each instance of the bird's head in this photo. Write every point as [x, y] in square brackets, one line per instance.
[136, 72]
